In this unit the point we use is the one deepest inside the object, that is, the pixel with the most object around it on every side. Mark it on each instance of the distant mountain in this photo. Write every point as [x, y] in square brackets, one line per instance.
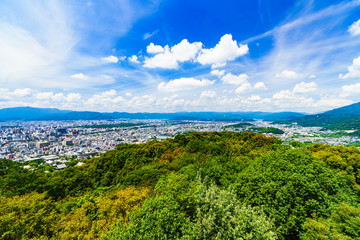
[343, 118]
[29, 113]
[212, 116]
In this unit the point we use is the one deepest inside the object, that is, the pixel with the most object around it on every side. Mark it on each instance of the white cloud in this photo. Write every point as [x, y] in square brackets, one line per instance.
[312, 76]
[185, 51]
[23, 54]
[133, 59]
[110, 93]
[103, 98]
[208, 94]
[71, 97]
[164, 60]
[260, 86]
[218, 72]
[150, 34]
[226, 50]
[332, 103]
[300, 88]
[3, 93]
[169, 58]
[246, 87]
[354, 29]
[118, 99]
[183, 84]
[80, 76]
[58, 97]
[254, 98]
[21, 92]
[348, 90]
[353, 70]
[235, 80]
[44, 95]
[17, 93]
[50, 97]
[110, 59]
[152, 48]
[305, 87]
[283, 94]
[288, 74]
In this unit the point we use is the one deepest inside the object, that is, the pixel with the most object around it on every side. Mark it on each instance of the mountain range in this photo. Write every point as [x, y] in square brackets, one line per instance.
[31, 114]
[342, 118]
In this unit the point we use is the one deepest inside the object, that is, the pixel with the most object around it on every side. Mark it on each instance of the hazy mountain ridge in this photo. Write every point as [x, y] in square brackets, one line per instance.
[29, 113]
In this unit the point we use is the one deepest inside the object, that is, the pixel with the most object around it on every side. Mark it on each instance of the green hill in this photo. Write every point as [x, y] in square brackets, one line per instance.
[215, 185]
[344, 118]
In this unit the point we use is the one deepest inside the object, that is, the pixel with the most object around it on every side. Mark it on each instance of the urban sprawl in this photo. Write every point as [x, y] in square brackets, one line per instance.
[54, 143]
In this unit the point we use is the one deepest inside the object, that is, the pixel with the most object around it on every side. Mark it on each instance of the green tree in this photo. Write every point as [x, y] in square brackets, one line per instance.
[343, 224]
[292, 186]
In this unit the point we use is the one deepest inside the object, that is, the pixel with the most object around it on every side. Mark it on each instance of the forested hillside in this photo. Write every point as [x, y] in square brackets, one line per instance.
[343, 118]
[217, 185]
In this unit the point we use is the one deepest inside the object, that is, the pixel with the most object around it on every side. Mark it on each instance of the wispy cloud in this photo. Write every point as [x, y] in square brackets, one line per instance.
[74, 56]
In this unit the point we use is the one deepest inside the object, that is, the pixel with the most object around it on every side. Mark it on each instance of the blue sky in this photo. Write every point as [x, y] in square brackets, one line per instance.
[180, 55]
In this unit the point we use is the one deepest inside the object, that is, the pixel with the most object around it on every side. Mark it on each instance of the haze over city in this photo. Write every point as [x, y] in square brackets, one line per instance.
[171, 56]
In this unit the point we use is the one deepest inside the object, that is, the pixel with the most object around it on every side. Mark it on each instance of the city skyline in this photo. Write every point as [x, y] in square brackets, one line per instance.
[171, 56]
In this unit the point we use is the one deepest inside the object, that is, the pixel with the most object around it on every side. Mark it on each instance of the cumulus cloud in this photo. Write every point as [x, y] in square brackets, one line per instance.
[304, 87]
[183, 84]
[245, 87]
[235, 80]
[133, 59]
[79, 76]
[44, 95]
[348, 90]
[169, 58]
[17, 93]
[103, 98]
[260, 86]
[58, 97]
[165, 57]
[153, 49]
[226, 50]
[288, 74]
[185, 51]
[299, 88]
[110, 59]
[312, 76]
[354, 29]
[283, 94]
[218, 72]
[164, 60]
[353, 70]
[73, 97]
[21, 92]
[254, 98]
[208, 94]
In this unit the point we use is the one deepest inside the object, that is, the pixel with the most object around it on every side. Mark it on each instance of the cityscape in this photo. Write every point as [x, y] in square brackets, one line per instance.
[53, 143]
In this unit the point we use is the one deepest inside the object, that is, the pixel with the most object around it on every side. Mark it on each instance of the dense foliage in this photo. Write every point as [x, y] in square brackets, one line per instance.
[217, 185]
[261, 130]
